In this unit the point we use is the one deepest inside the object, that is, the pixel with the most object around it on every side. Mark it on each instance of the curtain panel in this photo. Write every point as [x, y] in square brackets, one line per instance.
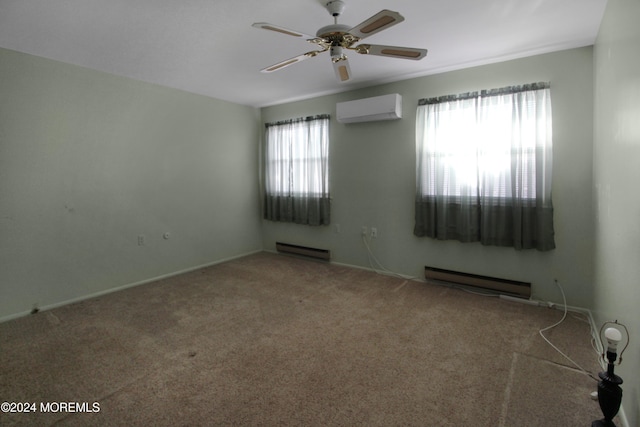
[483, 164]
[297, 171]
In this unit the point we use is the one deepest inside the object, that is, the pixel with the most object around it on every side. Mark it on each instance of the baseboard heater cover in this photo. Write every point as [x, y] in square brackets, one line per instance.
[510, 287]
[324, 254]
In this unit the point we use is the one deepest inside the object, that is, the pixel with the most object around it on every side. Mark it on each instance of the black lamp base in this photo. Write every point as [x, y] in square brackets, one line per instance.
[609, 395]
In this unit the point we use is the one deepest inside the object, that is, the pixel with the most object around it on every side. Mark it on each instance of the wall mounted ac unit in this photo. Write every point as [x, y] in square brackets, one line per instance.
[385, 107]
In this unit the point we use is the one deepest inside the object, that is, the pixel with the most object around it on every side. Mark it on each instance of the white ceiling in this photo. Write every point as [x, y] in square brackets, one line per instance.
[209, 47]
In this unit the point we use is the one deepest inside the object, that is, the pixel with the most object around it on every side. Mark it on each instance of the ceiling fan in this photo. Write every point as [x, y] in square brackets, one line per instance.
[337, 37]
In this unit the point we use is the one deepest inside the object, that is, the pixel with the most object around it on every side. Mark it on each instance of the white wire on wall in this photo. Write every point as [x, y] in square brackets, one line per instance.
[564, 316]
[380, 269]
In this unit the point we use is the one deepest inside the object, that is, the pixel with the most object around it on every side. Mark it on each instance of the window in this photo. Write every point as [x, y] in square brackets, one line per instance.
[297, 171]
[484, 165]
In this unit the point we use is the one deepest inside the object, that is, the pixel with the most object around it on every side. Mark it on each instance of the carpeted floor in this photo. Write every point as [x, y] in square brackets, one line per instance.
[270, 340]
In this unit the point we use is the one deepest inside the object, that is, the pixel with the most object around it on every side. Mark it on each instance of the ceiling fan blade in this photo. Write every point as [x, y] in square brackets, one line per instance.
[378, 22]
[282, 30]
[342, 69]
[392, 51]
[282, 64]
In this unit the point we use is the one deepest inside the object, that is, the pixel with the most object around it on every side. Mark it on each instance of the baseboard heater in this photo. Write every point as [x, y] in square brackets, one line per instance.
[505, 286]
[287, 248]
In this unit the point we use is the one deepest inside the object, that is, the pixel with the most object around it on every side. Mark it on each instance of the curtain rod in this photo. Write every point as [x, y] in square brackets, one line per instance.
[484, 93]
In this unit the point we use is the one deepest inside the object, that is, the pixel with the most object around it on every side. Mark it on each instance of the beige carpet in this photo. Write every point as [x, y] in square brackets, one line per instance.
[270, 340]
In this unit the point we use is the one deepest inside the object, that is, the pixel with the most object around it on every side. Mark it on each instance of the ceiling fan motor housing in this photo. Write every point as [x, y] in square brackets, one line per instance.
[334, 30]
[337, 35]
[336, 54]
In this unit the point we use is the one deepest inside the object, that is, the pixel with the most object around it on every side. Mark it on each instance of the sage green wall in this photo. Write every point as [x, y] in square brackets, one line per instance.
[616, 163]
[372, 180]
[89, 161]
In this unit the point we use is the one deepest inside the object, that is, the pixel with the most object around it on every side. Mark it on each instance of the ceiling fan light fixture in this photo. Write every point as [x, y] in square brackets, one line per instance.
[336, 54]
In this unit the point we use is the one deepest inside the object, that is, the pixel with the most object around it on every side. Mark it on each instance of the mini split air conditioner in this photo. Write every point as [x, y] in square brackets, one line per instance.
[385, 107]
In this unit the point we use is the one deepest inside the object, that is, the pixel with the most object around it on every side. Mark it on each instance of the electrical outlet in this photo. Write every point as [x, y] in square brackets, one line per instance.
[141, 240]
[374, 232]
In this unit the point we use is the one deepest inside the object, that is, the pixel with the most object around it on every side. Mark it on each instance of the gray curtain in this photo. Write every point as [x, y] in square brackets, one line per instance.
[483, 163]
[299, 210]
[297, 171]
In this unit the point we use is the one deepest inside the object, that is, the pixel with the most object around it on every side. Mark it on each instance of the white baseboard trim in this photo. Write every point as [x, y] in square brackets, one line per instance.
[123, 287]
[623, 417]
